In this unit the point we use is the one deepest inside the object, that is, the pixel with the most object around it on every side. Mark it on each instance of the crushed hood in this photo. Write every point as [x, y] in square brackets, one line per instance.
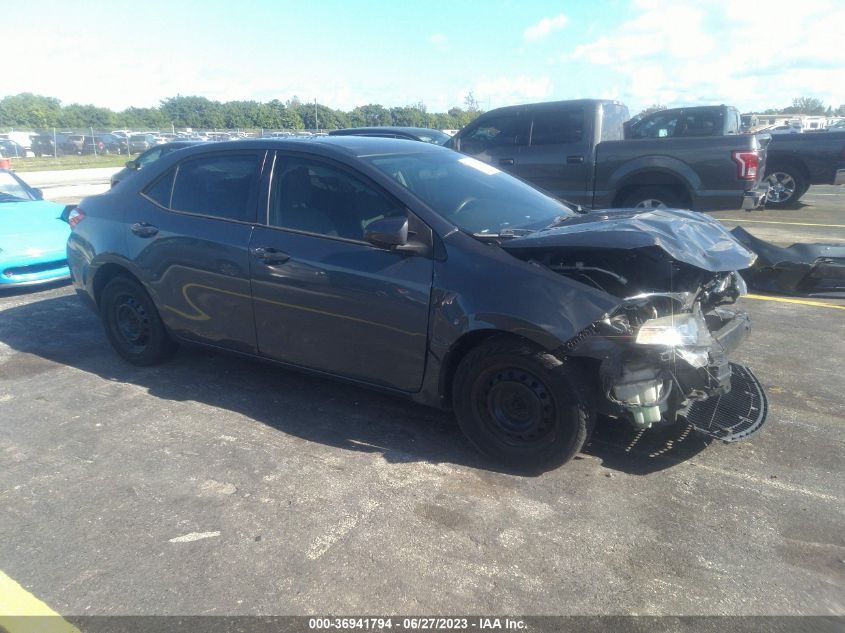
[685, 236]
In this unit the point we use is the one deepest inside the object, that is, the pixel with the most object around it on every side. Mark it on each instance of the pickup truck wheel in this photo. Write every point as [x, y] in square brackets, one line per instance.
[132, 323]
[521, 406]
[786, 186]
[652, 198]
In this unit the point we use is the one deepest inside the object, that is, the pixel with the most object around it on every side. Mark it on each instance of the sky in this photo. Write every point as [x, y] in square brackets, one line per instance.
[115, 53]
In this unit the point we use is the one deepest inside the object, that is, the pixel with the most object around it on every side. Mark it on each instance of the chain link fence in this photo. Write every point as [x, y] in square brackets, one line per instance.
[92, 141]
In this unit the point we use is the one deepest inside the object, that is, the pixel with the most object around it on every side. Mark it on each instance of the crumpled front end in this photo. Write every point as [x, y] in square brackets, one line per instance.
[664, 353]
[665, 358]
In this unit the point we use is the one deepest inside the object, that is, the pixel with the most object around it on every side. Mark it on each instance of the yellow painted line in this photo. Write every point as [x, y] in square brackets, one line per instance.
[21, 612]
[834, 226]
[805, 302]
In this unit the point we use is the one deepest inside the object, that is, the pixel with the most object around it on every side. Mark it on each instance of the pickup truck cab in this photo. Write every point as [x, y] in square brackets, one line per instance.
[576, 150]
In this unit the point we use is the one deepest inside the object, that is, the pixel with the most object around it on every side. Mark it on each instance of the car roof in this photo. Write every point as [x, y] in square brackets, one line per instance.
[384, 129]
[353, 145]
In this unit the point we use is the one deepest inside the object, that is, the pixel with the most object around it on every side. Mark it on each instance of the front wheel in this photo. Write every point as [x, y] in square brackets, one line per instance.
[132, 323]
[521, 406]
[786, 186]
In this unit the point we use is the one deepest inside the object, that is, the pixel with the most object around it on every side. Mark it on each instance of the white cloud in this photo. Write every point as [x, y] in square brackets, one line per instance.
[712, 53]
[498, 91]
[545, 26]
[440, 41]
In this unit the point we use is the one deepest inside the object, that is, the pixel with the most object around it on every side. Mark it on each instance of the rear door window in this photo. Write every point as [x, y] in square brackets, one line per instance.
[221, 185]
[703, 122]
[558, 127]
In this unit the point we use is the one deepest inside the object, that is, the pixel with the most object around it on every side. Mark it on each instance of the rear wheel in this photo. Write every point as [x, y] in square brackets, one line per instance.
[652, 198]
[522, 406]
[132, 323]
[786, 186]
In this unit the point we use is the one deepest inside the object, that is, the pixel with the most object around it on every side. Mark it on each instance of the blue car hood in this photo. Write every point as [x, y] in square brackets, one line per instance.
[32, 229]
[685, 236]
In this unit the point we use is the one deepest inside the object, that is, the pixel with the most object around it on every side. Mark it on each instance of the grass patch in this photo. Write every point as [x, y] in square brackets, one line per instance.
[48, 163]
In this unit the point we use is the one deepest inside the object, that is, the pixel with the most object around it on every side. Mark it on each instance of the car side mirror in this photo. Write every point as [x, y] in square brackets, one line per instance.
[132, 164]
[39, 195]
[387, 232]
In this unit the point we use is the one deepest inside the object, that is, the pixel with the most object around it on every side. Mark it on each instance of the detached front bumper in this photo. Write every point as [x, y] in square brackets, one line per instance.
[734, 415]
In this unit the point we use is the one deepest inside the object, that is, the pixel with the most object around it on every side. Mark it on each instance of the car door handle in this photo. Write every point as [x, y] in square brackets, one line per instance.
[506, 161]
[143, 229]
[270, 256]
[575, 160]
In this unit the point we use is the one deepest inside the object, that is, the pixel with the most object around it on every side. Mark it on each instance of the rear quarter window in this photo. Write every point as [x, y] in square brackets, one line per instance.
[160, 189]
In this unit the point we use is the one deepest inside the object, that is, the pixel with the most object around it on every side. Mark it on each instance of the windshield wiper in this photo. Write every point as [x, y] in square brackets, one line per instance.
[559, 220]
[505, 234]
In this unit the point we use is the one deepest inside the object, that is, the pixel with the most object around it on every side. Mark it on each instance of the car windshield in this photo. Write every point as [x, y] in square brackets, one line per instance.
[433, 136]
[11, 190]
[475, 196]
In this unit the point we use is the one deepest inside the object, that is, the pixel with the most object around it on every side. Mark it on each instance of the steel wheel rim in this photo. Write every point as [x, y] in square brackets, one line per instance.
[781, 186]
[651, 203]
[516, 407]
[132, 323]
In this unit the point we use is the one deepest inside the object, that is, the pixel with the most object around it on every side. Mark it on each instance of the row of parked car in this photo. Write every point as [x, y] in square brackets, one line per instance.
[19, 145]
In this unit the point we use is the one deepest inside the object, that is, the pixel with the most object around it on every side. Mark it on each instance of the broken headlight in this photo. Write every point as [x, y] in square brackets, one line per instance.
[676, 330]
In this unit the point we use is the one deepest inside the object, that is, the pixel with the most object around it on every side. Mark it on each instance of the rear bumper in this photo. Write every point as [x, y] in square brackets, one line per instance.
[754, 198]
[721, 200]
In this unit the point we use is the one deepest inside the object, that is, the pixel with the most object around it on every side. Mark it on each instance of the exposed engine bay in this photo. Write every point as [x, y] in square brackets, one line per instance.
[663, 353]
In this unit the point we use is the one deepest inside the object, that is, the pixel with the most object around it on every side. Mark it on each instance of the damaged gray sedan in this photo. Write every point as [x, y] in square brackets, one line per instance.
[419, 271]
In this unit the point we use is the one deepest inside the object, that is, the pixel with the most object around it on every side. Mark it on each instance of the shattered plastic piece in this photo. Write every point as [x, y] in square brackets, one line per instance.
[806, 269]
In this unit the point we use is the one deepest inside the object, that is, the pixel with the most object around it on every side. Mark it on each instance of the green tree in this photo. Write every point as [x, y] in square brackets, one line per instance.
[83, 116]
[655, 107]
[368, 115]
[471, 102]
[29, 110]
[807, 105]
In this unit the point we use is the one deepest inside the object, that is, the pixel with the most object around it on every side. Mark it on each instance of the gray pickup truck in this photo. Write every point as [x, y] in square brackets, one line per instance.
[577, 151]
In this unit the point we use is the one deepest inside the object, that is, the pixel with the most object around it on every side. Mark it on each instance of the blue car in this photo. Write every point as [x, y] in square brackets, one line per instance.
[33, 235]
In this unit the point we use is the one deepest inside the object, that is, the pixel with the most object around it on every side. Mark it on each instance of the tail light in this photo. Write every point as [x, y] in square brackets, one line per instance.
[747, 162]
[75, 217]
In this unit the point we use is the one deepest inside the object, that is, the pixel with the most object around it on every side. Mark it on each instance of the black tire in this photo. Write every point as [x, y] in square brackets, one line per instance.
[648, 197]
[786, 186]
[132, 323]
[521, 406]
